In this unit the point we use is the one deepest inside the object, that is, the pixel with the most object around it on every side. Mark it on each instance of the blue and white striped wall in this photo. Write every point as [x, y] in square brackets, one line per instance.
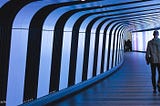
[49, 46]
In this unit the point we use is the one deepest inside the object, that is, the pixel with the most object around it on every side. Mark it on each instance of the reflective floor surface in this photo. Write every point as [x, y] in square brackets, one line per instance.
[129, 86]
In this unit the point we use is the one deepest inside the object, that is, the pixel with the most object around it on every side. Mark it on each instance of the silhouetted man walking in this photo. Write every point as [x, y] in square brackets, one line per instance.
[153, 57]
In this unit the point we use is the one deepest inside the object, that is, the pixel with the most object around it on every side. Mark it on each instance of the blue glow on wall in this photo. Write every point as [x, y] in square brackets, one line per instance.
[91, 56]
[17, 67]
[65, 60]
[45, 63]
[80, 55]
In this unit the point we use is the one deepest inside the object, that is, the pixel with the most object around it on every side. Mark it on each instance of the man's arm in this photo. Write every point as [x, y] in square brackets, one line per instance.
[148, 53]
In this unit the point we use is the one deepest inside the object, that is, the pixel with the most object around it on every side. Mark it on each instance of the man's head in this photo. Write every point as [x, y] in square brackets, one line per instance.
[155, 33]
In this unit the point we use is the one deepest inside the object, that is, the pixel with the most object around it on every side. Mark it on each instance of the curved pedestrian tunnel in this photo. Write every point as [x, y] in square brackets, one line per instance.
[58, 47]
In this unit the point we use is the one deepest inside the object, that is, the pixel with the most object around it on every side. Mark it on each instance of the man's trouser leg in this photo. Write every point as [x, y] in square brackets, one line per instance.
[153, 72]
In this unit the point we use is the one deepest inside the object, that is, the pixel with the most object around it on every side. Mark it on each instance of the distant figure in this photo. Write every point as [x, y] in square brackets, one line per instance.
[127, 45]
[153, 58]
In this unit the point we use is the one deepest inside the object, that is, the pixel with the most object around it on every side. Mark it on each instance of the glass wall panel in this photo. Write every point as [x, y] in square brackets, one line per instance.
[118, 48]
[115, 50]
[45, 63]
[134, 41]
[17, 67]
[121, 48]
[99, 53]
[119, 54]
[111, 51]
[91, 56]
[106, 52]
[140, 39]
[80, 55]
[65, 60]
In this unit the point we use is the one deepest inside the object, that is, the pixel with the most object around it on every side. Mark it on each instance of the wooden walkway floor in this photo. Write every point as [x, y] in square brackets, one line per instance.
[130, 86]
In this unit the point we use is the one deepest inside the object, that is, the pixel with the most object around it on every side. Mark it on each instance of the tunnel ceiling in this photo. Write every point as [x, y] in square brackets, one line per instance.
[136, 15]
